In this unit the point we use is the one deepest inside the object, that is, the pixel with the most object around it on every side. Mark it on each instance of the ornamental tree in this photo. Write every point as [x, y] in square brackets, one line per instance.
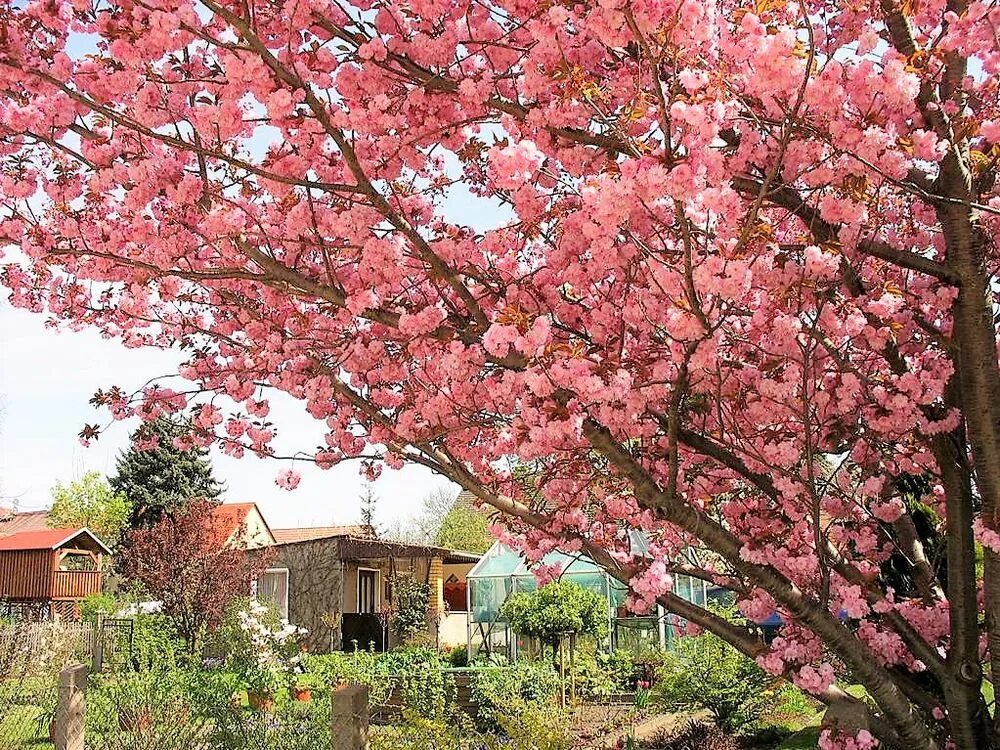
[184, 562]
[557, 608]
[716, 270]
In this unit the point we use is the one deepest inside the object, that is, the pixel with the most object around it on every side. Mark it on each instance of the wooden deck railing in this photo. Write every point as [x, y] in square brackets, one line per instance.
[76, 584]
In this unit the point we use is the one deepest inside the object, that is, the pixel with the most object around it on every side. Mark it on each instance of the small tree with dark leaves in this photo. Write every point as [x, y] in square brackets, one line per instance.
[189, 563]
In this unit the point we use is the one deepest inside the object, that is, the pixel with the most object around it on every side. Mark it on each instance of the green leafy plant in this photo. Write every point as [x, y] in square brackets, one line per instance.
[704, 672]
[414, 674]
[506, 692]
[156, 642]
[98, 605]
[537, 727]
[556, 608]
[410, 602]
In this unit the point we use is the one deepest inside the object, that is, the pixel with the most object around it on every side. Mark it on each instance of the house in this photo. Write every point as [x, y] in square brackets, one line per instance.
[241, 522]
[45, 573]
[12, 521]
[338, 583]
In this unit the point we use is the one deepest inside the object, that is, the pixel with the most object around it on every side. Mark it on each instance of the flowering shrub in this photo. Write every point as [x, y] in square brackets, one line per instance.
[266, 653]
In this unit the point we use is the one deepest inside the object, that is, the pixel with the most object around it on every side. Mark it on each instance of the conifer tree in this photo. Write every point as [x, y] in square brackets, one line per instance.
[159, 477]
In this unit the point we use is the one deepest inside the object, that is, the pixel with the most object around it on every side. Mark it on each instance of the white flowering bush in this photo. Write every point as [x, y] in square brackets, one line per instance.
[264, 650]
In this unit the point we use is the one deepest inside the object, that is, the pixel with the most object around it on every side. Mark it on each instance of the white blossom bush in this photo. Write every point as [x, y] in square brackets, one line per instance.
[265, 651]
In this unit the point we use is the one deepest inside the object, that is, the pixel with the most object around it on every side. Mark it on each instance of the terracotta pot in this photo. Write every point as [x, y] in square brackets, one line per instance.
[52, 731]
[260, 701]
[302, 694]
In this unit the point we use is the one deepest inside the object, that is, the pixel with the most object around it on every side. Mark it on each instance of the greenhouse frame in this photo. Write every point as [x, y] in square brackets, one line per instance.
[503, 571]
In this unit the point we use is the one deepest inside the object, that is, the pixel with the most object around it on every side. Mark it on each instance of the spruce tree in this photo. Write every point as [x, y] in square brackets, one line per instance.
[369, 502]
[161, 480]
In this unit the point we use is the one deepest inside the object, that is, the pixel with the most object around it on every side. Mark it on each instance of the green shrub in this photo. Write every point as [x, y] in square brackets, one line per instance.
[96, 605]
[507, 692]
[410, 601]
[415, 672]
[456, 657]
[419, 733]
[705, 672]
[600, 674]
[558, 607]
[537, 727]
[157, 644]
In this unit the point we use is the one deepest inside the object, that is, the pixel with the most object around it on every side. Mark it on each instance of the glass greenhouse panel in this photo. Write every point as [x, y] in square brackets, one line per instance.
[487, 597]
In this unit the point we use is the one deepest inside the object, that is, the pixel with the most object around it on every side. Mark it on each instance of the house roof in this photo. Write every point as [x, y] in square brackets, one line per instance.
[46, 539]
[228, 517]
[304, 534]
[12, 522]
[350, 546]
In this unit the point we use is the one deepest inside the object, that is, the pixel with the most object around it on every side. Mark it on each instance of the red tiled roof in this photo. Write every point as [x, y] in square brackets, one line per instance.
[290, 536]
[228, 517]
[45, 539]
[12, 522]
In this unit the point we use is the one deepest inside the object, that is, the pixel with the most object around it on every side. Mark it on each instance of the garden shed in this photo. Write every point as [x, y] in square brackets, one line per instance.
[50, 571]
[503, 571]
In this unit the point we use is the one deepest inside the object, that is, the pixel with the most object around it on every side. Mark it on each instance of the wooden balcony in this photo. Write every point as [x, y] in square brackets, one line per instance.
[76, 584]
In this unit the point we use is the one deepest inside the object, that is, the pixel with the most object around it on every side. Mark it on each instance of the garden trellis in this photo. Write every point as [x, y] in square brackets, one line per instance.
[503, 571]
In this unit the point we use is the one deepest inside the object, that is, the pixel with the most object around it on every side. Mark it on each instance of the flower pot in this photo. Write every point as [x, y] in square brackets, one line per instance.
[260, 701]
[302, 694]
[52, 731]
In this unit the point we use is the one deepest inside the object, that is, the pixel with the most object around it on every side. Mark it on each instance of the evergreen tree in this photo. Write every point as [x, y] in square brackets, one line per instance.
[160, 480]
[369, 502]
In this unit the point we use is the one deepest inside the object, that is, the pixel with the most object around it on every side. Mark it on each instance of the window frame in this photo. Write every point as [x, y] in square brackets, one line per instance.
[288, 589]
[376, 598]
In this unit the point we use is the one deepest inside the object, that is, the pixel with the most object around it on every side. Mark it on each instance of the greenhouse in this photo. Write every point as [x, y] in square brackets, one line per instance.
[503, 571]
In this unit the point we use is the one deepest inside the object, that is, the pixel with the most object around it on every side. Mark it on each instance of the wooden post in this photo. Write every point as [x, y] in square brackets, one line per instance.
[71, 712]
[349, 717]
[98, 647]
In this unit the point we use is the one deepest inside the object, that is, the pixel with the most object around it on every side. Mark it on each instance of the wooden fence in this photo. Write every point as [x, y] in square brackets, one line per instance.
[44, 646]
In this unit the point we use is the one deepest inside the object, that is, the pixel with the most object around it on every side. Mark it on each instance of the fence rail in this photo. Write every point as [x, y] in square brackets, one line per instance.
[76, 584]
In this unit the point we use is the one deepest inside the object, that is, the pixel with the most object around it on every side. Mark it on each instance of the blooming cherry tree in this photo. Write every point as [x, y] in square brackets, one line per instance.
[720, 271]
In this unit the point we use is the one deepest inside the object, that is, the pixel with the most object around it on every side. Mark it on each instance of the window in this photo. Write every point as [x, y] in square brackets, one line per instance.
[272, 586]
[367, 591]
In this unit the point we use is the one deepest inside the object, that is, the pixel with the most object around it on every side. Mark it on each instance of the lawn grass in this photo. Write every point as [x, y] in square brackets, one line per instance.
[806, 728]
[804, 739]
[24, 727]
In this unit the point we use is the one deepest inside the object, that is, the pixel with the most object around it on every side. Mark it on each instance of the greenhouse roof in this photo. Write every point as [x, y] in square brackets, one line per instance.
[500, 561]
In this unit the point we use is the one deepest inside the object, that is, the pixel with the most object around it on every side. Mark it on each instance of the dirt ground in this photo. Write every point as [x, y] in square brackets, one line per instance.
[601, 727]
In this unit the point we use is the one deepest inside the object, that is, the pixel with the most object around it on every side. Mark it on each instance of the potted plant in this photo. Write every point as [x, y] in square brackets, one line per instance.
[264, 654]
[302, 688]
[261, 700]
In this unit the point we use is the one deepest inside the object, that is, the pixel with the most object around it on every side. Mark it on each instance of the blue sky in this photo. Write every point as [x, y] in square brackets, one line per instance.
[47, 377]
